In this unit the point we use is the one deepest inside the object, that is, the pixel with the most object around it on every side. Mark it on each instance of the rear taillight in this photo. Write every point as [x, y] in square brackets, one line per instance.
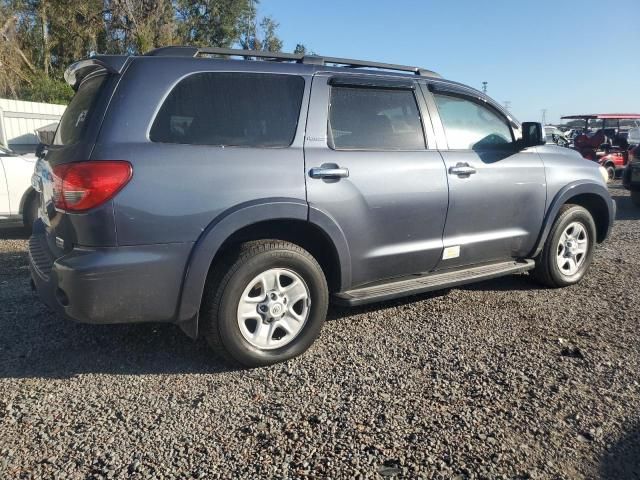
[82, 186]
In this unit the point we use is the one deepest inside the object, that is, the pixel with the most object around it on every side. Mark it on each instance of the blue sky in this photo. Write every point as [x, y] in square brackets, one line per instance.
[567, 56]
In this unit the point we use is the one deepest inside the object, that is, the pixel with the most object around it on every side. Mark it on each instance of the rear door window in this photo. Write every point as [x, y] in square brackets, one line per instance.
[231, 109]
[374, 119]
[77, 115]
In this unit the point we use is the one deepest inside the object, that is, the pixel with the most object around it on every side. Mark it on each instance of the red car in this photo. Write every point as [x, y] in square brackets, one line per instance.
[607, 145]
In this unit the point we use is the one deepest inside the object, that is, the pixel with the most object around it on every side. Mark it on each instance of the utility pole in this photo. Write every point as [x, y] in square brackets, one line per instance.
[484, 87]
[544, 116]
[507, 105]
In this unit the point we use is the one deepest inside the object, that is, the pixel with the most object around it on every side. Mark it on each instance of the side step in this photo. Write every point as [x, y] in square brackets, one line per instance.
[429, 282]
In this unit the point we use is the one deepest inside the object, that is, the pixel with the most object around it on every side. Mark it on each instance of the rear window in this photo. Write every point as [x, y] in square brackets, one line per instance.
[231, 109]
[76, 117]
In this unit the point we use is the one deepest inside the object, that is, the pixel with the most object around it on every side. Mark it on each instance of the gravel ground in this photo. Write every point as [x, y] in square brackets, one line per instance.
[497, 380]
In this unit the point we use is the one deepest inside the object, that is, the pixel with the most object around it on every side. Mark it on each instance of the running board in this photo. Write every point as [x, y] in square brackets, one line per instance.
[429, 282]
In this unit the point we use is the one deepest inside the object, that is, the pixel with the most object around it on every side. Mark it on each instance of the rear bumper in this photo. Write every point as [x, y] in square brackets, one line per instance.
[110, 285]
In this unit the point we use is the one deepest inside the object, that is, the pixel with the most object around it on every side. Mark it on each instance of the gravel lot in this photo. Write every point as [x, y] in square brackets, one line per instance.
[497, 380]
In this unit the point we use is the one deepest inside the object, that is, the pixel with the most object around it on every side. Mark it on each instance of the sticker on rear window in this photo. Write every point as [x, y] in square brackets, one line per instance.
[81, 117]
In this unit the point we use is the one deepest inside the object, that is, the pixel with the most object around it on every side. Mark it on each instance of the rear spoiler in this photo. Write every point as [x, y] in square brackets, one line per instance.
[80, 70]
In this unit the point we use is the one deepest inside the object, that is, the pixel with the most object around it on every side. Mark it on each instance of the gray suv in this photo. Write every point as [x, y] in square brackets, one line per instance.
[237, 197]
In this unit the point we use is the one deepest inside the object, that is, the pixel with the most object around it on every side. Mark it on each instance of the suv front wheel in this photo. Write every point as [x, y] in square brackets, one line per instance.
[265, 303]
[568, 251]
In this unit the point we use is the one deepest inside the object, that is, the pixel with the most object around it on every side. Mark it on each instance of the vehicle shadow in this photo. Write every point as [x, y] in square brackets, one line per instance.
[622, 460]
[509, 283]
[337, 312]
[35, 342]
[626, 209]
[13, 231]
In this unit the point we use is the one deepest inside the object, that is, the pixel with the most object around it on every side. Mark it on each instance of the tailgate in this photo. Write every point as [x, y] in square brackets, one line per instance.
[74, 140]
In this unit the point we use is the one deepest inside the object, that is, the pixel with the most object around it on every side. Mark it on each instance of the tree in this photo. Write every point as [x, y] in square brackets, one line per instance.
[15, 66]
[39, 39]
[302, 49]
[270, 40]
[210, 22]
[258, 34]
[137, 26]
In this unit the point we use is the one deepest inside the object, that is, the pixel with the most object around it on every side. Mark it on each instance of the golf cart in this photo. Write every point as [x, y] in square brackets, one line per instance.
[603, 141]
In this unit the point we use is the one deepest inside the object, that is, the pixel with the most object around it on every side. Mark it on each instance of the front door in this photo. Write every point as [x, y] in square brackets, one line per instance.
[497, 192]
[370, 169]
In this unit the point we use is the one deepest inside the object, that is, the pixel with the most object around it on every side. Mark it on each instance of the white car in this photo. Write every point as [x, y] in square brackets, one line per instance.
[18, 199]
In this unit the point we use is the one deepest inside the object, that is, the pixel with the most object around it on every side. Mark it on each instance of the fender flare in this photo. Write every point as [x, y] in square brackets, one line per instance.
[566, 193]
[233, 220]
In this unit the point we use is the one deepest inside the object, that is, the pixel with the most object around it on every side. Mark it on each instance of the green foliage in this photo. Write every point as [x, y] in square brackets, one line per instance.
[301, 48]
[47, 90]
[39, 39]
[214, 23]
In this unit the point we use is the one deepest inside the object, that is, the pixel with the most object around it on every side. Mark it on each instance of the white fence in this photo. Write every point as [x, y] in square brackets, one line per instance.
[19, 120]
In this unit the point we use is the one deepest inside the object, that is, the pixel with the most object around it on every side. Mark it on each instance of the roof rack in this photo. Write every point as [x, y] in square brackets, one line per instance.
[179, 51]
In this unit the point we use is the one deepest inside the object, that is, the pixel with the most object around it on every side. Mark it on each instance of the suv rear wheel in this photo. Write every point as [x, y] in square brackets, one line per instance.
[265, 303]
[568, 251]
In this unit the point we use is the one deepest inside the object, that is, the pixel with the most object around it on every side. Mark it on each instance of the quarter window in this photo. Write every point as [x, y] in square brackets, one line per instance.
[470, 125]
[374, 119]
[231, 109]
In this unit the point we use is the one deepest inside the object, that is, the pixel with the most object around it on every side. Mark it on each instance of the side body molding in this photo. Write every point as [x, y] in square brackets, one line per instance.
[225, 225]
[565, 194]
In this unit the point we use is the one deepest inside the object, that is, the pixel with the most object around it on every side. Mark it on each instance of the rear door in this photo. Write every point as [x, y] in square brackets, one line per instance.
[372, 167]
[497, 192]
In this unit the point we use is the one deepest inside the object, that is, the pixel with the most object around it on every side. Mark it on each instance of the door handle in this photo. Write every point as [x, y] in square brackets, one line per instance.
[324, 172]
[462, 170]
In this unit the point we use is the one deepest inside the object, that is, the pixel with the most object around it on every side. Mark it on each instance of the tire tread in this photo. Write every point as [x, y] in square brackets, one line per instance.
[542, 271]
[220, 276]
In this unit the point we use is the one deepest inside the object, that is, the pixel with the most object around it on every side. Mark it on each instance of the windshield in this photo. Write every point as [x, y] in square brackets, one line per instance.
[78, 113]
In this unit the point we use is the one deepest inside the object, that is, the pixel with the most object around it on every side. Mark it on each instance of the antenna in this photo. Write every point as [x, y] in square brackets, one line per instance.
[484, 87]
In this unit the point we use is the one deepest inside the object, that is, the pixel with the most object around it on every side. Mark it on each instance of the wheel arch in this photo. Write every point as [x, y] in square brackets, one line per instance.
[591, 196]
[281, 219]
[29, 192]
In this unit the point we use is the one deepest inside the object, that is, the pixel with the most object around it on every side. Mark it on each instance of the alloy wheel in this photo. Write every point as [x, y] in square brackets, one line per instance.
[572, 248]
[273, 308]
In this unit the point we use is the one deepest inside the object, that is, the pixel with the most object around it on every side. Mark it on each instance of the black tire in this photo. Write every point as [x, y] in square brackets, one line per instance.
[231, 277]
[635, 197]
[30, 211]
[547, 270]
[611, 171]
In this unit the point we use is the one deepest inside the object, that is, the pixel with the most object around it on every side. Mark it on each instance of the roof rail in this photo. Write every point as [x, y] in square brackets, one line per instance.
[180, 51]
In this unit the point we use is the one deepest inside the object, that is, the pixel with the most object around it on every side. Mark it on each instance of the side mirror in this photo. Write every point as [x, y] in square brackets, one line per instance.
[532, 134]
